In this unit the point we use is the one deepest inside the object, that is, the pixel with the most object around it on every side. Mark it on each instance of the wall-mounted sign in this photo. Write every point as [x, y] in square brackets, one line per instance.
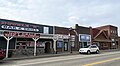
[72, 38]
[18, 28]
[38, 44]
[84, 37]
[48, 36]
[22, 34]
[58, 37]
[24, 27]
[65, 37]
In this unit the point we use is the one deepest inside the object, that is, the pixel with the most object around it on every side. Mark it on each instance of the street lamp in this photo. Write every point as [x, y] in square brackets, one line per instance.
[70, 29]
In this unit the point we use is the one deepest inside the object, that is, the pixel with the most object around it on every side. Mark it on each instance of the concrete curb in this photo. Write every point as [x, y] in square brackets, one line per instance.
[55, 55]
[41, 56]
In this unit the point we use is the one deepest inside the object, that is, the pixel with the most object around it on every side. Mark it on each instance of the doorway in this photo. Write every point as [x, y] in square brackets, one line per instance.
[47, 47]
[65, 46]
[85, 44]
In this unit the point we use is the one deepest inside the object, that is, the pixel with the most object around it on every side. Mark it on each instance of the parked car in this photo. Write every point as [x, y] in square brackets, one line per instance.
[89, 49]
[2, 54]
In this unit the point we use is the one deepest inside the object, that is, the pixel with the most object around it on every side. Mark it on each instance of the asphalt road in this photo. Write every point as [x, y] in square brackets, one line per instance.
[103, 59]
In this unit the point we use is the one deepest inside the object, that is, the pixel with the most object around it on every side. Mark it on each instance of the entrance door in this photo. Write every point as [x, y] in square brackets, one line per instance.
[47, 47]
[80, 45]
[85, 44]
[65, 46]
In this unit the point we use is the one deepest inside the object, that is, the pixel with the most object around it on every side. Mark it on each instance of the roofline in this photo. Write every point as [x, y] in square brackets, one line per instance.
[82, 26]
[24, 22]
[106, 26]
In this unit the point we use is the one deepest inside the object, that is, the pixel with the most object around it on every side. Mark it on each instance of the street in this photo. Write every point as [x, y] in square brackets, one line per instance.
[102, 59]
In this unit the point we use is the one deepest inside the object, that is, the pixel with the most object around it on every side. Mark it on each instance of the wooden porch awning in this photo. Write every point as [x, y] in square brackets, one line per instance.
[99, 40]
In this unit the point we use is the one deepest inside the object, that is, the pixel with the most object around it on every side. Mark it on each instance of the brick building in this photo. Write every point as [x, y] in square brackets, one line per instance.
[53, 38]
[20, 36]
[83, 36]
[105, 36]
[100, 38]
[75, 37]
[118, 46]
[65, 39]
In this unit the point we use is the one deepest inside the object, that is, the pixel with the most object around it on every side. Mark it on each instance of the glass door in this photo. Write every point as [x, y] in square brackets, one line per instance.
[65, 46]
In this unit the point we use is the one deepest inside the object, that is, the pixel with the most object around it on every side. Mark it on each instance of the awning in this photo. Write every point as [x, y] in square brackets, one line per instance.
[105, 40]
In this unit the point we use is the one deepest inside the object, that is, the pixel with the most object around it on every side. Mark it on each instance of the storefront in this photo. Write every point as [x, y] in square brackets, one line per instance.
[60, 42]
[64, 42]
[15, 35]
[84, 40]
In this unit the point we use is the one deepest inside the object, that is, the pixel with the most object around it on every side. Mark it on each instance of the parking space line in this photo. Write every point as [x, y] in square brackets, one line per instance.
[100, 62]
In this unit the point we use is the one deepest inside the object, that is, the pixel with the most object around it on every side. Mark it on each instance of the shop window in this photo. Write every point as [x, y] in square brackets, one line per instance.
[73, 44]
[1, 33]
[29, 44]
[46, 30]
[111, 31]
[88, 43]
[113, 40]
[59, 44]
[21, 45]
[113, 43]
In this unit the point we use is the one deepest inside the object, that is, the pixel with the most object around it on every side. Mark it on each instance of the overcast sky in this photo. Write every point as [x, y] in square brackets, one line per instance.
[64, 13]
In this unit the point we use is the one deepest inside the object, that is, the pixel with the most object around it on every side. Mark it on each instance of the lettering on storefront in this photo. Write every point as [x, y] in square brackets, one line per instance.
[18, 26]
[24, 27]
[22, 34]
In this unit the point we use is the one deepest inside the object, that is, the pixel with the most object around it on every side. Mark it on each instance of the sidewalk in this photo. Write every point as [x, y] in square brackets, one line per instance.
[110, 50]
[22, 57]
[53, 55]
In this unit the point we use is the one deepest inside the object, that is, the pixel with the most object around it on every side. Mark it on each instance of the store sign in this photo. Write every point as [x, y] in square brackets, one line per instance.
[84, 37]
[22, 34]
[60, 37]
[72, 38]
[38, 44]
[65, 37]
[18, 28]
[48, 36]
[24, 27]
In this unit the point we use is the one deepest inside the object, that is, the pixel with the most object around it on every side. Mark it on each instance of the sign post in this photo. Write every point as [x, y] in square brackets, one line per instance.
[35, 40]
[55, 40]
[8, 38]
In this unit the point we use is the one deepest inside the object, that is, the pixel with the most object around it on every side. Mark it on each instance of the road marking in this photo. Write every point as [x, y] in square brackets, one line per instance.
[53, 59]
[100, 62]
